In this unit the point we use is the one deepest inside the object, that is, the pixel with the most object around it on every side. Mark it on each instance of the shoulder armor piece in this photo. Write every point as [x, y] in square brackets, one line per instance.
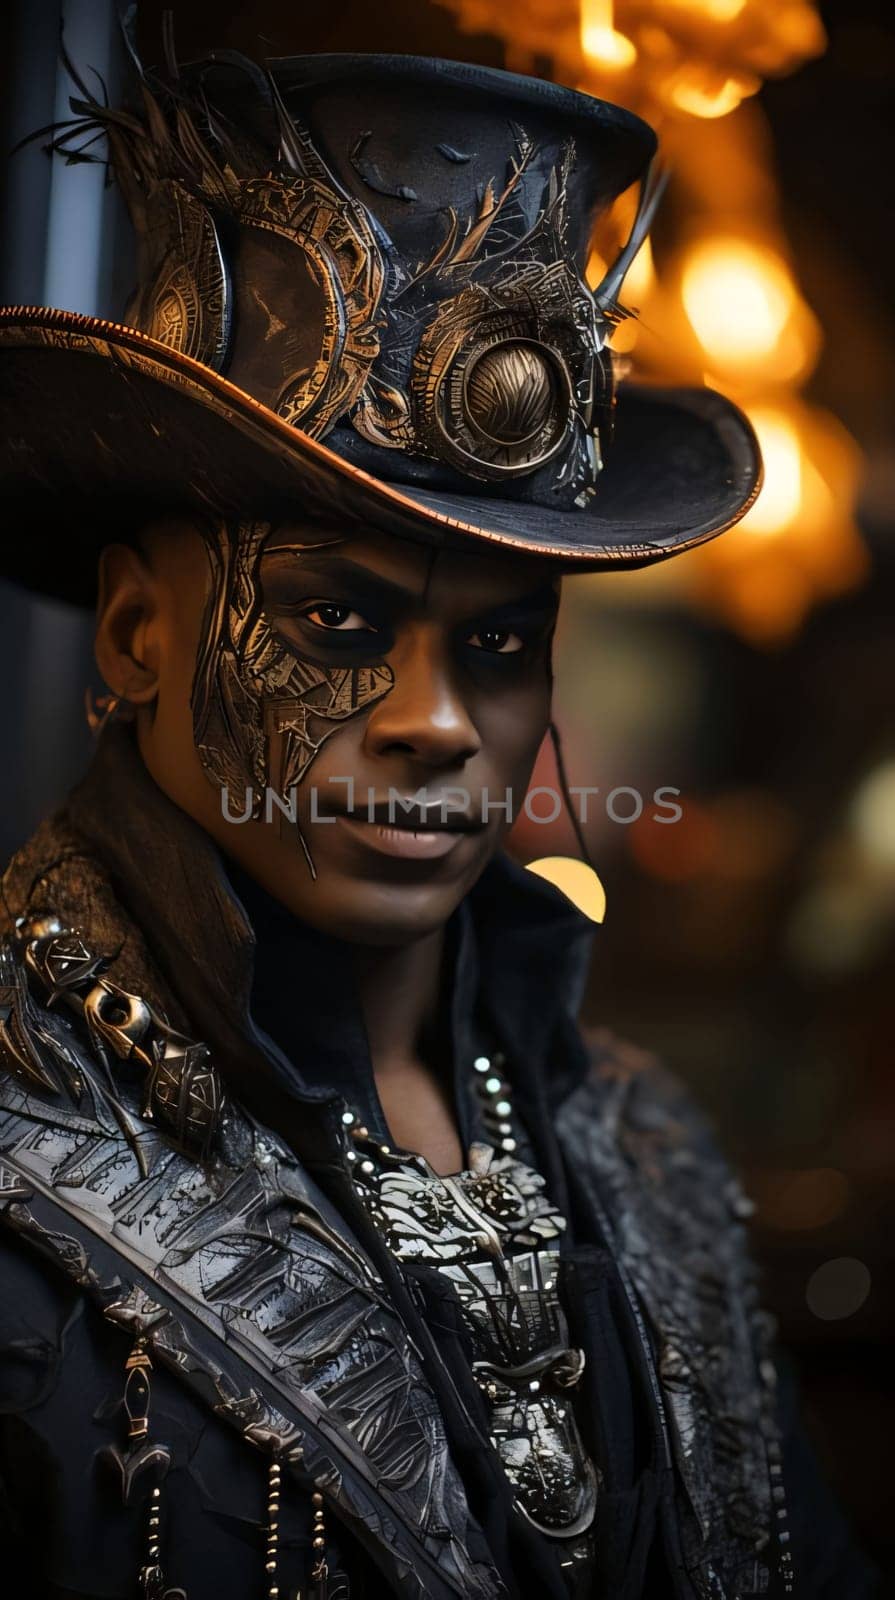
[181, 1089]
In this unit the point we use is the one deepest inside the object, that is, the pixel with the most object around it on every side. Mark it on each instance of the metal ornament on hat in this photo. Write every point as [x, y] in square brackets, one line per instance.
[513, 371]
[490, 357]
[507, 373]
[186, 301]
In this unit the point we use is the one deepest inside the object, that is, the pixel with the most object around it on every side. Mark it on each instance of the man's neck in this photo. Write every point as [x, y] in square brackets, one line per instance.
[400, 995]
[399, 989]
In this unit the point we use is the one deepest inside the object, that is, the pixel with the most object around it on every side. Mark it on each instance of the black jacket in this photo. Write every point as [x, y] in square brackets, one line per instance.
[699, 1451]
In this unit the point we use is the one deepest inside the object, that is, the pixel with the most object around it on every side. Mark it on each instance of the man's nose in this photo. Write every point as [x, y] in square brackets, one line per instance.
[424, 714]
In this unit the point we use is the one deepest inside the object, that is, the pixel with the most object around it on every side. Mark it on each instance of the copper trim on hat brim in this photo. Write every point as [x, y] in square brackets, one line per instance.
[48, 326]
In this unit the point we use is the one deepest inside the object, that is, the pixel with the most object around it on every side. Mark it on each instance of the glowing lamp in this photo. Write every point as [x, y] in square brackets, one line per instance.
[600, 41]
[697, 101]
[780, 499]
[738, 298]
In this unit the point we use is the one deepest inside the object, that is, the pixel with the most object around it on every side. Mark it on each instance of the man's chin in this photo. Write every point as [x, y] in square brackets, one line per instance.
[398, 917]
[371, 913]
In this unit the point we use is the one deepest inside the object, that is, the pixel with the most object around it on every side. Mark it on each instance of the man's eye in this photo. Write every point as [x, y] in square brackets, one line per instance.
[334, 618]
[498, 641]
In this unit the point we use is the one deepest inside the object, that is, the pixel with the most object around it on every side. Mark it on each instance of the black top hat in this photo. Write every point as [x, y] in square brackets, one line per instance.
[361, 295]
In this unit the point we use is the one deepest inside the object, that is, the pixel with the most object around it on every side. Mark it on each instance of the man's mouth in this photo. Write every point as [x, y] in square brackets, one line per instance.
[410, 832]
[434, 816]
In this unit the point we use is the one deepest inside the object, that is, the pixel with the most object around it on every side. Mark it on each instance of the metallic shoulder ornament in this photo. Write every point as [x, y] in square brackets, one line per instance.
[182, 1091]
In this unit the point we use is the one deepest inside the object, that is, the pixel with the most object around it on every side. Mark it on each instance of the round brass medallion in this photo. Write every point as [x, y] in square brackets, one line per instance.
[501, 407]
[511, 394]
[493, 392]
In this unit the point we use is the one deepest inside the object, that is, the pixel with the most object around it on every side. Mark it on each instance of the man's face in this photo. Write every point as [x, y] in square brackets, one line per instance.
[389, 694]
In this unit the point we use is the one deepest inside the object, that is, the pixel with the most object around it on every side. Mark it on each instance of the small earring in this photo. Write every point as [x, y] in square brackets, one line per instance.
[100, 709]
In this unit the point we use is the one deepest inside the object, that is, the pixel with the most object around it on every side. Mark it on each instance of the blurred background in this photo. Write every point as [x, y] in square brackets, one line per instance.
[752, 943]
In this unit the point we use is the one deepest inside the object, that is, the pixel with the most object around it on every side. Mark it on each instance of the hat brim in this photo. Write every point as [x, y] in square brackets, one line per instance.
[104, 428]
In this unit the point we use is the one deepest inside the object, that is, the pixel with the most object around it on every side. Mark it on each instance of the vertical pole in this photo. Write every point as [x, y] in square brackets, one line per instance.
[59, 223]
[81, 206]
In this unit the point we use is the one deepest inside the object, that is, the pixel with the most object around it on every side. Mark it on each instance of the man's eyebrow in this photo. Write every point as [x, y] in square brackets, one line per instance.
[539, 602]
[341, 570]
[352, 575]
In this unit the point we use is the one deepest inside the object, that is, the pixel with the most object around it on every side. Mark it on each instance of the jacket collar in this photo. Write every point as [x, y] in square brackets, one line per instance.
[519, 949]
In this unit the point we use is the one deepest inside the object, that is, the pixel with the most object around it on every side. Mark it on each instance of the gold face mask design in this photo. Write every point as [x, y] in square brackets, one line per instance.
[261, 710]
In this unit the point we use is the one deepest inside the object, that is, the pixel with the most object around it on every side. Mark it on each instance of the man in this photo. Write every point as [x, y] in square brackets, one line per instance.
[334, 1260]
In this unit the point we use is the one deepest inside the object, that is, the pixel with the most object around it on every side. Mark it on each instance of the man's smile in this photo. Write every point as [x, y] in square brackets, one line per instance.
[403, 840]
[440, 815]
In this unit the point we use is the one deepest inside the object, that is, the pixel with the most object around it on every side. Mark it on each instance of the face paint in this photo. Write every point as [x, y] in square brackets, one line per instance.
[261, 710]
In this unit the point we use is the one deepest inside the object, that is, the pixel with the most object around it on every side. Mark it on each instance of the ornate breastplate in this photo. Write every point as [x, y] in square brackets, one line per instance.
[493, 1232]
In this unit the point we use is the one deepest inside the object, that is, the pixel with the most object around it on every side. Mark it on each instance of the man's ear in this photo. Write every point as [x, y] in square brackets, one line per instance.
[125, 645]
